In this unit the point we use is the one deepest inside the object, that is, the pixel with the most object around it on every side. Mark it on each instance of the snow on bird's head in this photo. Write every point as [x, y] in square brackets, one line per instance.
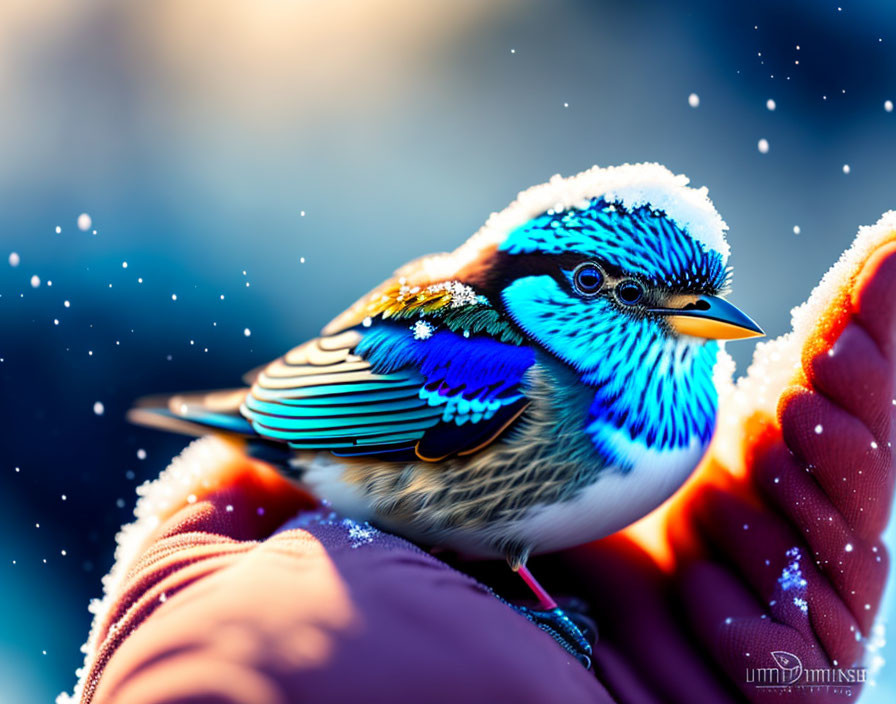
[630, 186]
[633, 187]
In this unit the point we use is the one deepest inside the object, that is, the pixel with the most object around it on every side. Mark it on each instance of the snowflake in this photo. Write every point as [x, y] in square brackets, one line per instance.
[460, 294]
[802, 604]
[406, 292]
[792, 576]
[422, 330]
[359, 533]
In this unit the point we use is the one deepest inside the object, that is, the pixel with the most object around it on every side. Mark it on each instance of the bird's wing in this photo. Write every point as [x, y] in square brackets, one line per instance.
[426, 380]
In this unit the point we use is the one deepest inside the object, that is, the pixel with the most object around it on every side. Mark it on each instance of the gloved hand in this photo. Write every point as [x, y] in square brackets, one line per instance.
[233, 587]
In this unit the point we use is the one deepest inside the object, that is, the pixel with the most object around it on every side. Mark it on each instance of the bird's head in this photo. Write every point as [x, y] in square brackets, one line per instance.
[618, 274]
[610, 264]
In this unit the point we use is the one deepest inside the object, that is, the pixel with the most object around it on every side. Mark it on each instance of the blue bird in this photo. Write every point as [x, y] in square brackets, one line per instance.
[544, 385]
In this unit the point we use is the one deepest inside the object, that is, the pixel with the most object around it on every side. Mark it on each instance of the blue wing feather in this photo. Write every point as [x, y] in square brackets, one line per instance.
[382, 389]
[463, 375]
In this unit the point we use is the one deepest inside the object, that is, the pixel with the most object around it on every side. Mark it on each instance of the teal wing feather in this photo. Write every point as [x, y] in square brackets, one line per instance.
[323, 396]
[384, 389]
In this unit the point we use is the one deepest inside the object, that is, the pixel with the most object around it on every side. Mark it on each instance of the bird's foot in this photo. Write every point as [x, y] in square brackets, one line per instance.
[573, 630]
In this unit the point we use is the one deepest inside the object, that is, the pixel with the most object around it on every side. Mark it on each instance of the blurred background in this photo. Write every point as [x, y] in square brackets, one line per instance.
[248, 168]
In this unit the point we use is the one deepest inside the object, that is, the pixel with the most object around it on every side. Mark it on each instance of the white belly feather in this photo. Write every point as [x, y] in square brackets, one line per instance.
[614, 501]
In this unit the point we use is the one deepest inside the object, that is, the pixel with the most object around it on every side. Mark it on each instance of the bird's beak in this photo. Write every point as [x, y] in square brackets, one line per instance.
[710, 317]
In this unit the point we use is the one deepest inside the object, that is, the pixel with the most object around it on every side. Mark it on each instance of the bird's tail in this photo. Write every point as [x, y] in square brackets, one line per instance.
[197, 413]
[207, 413]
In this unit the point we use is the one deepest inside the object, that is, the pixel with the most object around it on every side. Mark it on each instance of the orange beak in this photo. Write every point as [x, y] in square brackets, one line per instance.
[711, 317]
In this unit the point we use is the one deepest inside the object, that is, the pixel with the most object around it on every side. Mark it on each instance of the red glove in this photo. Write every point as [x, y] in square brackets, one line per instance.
[220, 594]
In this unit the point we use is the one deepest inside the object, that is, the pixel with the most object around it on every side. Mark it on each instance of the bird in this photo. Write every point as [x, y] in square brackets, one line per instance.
[544, 385]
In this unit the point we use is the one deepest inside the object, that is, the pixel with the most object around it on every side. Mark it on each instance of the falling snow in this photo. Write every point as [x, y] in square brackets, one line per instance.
[14, 259]
[98, 408]
[762, 146]
[84, 222]
[770, 104]
[694, 100]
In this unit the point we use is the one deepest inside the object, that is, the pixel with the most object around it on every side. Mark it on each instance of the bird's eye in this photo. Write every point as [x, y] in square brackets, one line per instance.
[629, 292]
[587, 279]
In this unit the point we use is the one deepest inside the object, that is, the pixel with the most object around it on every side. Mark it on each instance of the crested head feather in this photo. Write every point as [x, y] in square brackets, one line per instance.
[631, 186]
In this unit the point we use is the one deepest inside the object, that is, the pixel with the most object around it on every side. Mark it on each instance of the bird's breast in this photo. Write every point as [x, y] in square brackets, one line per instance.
[615, 499]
